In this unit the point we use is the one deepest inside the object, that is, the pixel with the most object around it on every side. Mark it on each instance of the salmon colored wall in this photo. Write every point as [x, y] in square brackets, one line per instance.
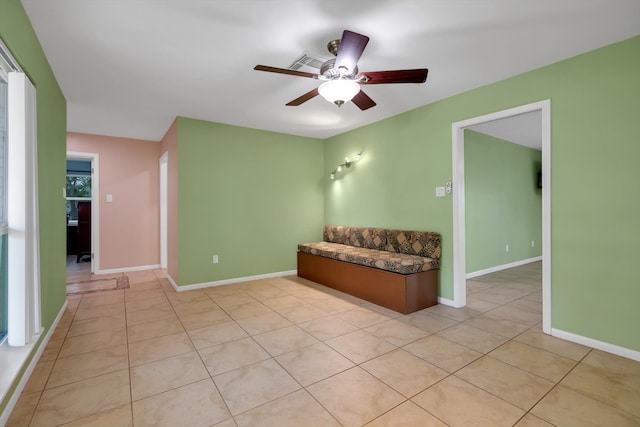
[130, 225]
[169, 144]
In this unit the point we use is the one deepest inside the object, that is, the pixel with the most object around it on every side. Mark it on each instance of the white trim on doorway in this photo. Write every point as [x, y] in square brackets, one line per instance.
[164, 207]
[459, 246]
[95, 204]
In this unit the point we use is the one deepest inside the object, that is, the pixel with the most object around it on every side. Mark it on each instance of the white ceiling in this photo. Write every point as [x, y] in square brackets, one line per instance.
[128, 67]
[523, 129]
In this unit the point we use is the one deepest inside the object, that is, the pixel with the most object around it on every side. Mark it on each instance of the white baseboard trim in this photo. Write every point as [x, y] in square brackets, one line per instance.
[502, 267]
[446, 301]
[600, 345]
[229, 281]
[128, 269]
[13, 399]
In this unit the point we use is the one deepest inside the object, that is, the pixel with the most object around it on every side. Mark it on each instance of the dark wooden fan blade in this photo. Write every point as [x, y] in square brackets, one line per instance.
[363, 101]
[351, 47]
[395, 76]
[304, 98]
[285, 71]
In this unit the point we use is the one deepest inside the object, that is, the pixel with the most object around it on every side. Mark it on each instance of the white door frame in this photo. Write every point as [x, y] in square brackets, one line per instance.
[459, 244]
[95, 203]
[164, 181]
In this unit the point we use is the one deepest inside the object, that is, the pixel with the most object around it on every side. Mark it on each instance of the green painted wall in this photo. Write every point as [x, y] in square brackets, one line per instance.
[595, 100]
[503, 205]
[247, 195]
[18, 35]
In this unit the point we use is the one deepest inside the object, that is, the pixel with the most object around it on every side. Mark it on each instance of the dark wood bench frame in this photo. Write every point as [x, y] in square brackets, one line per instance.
[404, 293]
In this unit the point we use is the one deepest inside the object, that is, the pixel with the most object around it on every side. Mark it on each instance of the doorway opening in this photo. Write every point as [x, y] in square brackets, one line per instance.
[459, 243]
[82, 213]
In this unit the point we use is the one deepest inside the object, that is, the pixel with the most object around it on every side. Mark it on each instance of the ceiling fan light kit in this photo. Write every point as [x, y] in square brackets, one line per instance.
[341, 77]
[339, 91]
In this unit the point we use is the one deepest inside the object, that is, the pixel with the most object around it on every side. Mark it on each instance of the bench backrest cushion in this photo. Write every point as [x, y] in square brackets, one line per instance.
[421, 243]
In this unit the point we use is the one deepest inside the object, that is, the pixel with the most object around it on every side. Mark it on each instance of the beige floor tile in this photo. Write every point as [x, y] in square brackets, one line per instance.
[284, 340]
[247, 310]
[404, 372]
[442, 353]
[131, 295]
[150, 315]
[479, 305]
[117, 417]
[263, 323]
[566, 408]
[166, 374]
[314, 363]
[558, 346]
[51, 350]
[474, 338]
[497, 325]
[360, 346]
[516, 314]
[611, 362]
[429, 322]
[159, 348]
[187, 296]
[354, 397]
[195, 307]
[226, 301]
[327, 327]
[294, 410]
[92, 342]
[232, 355]
[158, 328]
[282, 302]
[254, 385]
[84, 313]
[363, 317]
[407, 414]
[24, 409]
[99, 324]
[511, 384]
[73, 401]
[39, 377]
[396, 332]
[534, 360]
[457, 314]
[159, 302]
[88, 365]
[216, 334]
[207, 318]
[446, 399]
[617, 389]
[197, 404]
[302, 313]
[101, 298]
[532, 421]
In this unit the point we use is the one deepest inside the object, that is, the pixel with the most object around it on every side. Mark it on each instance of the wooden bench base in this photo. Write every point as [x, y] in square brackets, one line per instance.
[398, 292]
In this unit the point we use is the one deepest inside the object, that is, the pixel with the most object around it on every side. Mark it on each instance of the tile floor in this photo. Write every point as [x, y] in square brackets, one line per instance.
[288, 352]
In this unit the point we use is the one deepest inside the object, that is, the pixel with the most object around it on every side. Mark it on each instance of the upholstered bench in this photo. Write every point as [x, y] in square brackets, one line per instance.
[396, 269]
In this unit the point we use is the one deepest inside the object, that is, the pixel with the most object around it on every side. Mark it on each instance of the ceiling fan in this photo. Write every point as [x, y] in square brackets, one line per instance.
[341, 76]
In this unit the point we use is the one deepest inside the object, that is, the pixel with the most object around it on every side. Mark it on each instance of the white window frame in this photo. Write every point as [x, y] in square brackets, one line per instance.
[24, 321]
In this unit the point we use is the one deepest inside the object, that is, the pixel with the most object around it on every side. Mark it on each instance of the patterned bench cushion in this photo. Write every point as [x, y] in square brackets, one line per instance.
[421, 243]
[383, 260]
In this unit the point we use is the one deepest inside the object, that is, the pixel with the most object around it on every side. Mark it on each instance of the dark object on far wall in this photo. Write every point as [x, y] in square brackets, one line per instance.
[84, 230]
[539, 179]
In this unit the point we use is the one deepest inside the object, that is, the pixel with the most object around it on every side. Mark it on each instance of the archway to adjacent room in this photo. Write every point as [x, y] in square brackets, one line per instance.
[459, 245]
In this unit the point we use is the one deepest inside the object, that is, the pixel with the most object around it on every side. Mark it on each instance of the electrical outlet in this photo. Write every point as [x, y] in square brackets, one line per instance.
[215, 259]
[506, 248]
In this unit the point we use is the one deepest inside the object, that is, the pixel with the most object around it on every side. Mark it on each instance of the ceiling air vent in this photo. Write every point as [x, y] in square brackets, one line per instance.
[309, 62]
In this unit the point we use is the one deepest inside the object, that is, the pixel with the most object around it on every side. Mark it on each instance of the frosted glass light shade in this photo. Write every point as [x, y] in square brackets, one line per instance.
[339, 91]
